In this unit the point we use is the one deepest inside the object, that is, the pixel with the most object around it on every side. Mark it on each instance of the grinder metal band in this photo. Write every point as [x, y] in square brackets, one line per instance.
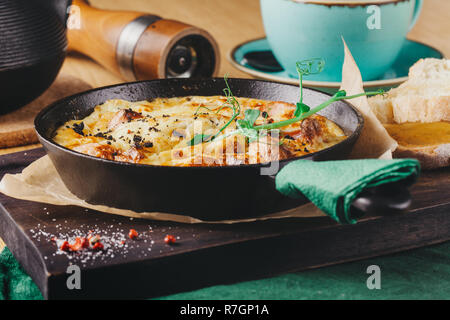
[127, 42]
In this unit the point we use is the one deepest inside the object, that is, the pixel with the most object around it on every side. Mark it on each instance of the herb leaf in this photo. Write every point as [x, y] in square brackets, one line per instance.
[341, 93]
[249, 120]
[301, 108]
[250, 133]
[199, 138]
[310, 66]
[251, 115]
[245, 126]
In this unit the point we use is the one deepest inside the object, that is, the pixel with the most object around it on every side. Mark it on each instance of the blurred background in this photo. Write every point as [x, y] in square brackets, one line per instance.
[233, 22]
[230, 23]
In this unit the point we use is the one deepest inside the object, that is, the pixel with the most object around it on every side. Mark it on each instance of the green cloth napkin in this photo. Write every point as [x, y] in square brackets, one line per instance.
[15, 284]
[333, 185]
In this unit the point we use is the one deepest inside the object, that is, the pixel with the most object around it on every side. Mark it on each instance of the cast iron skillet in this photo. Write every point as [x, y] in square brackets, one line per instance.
[208, 193]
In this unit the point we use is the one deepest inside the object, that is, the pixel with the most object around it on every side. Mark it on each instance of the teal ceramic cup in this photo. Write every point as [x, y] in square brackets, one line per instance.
[374, 30]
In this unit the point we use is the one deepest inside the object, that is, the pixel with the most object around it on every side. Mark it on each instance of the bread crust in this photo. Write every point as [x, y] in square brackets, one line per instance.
[424, 98]
[430, 157]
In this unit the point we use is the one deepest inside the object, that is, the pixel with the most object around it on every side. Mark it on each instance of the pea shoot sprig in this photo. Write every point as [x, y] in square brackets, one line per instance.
[305, 68]
[246, 126]
[231, 103]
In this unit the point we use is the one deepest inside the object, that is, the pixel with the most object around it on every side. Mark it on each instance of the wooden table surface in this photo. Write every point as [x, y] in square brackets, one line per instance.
[232, 22]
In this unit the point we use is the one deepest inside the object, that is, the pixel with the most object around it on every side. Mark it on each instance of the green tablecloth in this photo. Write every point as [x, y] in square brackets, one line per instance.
[416, 274]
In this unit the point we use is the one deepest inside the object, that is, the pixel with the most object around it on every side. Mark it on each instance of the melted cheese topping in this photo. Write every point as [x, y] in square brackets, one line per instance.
[158, 132]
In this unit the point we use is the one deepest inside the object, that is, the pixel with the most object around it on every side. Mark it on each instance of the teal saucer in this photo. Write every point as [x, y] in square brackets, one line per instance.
[412, 51]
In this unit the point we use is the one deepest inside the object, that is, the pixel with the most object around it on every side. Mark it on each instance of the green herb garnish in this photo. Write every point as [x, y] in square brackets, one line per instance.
[231, 103]
[249, 120]
[246, 126]
[199, 138]
[340, 95]
[305, 68]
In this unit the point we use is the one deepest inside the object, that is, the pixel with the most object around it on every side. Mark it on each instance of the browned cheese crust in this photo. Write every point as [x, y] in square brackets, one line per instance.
[158, 132]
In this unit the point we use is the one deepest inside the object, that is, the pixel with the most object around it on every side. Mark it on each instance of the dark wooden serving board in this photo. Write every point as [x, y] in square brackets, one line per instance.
[205, 254]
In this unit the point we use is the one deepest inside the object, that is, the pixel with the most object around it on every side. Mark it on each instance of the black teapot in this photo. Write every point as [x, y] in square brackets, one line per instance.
[32, 48]
[134, 45]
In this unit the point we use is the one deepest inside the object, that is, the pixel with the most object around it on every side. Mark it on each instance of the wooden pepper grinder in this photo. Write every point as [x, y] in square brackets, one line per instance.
[141, 46]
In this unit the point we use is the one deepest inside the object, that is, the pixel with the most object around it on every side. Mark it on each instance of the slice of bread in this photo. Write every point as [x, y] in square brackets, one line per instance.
[424, 98]
[432, 157]
[428, 142]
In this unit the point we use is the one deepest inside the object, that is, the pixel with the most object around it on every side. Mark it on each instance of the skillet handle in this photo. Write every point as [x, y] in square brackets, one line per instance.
[383, 200]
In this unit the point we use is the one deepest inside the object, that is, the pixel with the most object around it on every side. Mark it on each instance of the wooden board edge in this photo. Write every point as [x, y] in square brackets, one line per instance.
[24, 250]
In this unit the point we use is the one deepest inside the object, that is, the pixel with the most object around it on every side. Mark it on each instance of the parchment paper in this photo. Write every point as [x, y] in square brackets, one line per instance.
[375, 141]
[40, 181]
